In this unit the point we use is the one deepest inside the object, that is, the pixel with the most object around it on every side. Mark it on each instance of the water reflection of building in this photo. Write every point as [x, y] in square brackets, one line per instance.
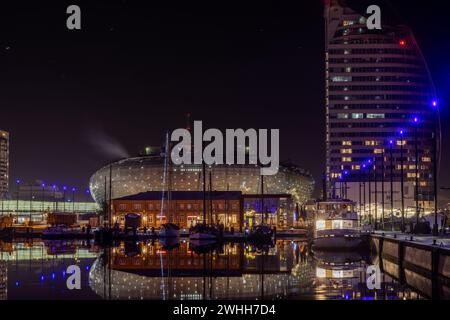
[3, 280]
[343, 275]
[235, 272]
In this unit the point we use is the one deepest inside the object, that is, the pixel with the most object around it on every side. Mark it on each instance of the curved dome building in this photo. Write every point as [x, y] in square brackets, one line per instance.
[135, 175]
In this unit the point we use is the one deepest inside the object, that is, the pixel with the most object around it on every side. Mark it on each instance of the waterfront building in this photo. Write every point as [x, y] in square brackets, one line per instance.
[379, 94]
[230, 208]
[4, 163]
[146, 173]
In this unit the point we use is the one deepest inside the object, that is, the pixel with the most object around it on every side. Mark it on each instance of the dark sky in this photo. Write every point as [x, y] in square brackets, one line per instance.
[135, 70]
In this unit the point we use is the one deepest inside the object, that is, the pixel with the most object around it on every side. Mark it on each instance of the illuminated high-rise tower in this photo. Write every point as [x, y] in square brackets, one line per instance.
[4, 163]
[379, 97]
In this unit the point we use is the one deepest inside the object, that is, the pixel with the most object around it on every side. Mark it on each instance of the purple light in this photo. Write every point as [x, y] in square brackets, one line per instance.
[434, 103]
[74, 189]
[18, 181]
[391, 141]
[346, 172]
[402, 132]
[416, 120]
[54, 187]
[64, 188]
[43, 185]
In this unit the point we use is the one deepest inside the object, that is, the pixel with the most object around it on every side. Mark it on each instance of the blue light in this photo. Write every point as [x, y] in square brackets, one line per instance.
[391, 142]
[53, 276]
[54, 187]
[87, 268]
[17, 283]
[434, 103]
[43, 185]
[18, 181]
[402, 132]
[42, 278]
[74, 189]
[64, 274]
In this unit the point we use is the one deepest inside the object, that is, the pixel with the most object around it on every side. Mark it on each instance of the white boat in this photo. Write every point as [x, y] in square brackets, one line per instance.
[169, 230]
[336, 226]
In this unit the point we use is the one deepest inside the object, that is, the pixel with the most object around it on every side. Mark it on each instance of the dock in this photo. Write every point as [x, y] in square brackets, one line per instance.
[421, 262]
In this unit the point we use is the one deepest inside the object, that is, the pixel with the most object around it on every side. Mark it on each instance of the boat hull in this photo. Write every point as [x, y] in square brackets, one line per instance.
[337, 243]
[169, 233]
[200, 236]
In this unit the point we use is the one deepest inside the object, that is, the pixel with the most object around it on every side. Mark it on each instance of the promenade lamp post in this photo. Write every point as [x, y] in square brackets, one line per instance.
[363, 167]
[416, 166]
[391, 158]
[375, 175]
[402, 173]
[55, 204]
[64, 198]
[360, 197]
[17, 199]
[369, 176]
[73, 199]
[43, 201]
[345, 174]
[382, 187]
[435, 106]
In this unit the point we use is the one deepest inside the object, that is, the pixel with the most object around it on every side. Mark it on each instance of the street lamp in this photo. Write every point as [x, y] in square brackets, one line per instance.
[369, 175]
[43, 203]
[435, 160]
[416, 155]
[391, 144]
[55, 204]
[364, 166]
[402, 192]
[18, 182]
[73, 199]
[64, 198]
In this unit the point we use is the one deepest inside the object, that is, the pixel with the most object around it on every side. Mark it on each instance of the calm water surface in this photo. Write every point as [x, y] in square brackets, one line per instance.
[153, 270]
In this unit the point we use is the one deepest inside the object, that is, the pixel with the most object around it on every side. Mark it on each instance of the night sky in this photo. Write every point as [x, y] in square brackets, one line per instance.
[74, 100]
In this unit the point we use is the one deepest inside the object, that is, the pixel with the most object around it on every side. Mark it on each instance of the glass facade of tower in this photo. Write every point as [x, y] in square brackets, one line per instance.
[4, 163]
[377, 87]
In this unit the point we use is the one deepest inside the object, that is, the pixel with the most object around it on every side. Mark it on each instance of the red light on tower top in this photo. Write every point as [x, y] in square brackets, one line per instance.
[402, 42]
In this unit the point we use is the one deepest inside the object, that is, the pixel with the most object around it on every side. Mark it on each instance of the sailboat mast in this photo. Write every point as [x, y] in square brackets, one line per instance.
[204, 192]
[262, 198]
[210, 198]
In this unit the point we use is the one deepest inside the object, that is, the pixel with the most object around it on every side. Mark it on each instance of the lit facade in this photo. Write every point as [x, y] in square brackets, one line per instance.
[135, 175]
[377, 83]
[4, 163]
[185, 208]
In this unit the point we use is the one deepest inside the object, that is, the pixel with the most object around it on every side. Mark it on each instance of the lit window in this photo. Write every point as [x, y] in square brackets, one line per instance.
[346, 143]
[399, 142]
[342, 116]
[346, 151]
[357, 115]
[375, 116]
[371, 143]
[426, 159]
[378, 151]
[346, 159]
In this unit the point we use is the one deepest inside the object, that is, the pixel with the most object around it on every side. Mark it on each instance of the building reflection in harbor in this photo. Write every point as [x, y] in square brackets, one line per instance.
[161, 271]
